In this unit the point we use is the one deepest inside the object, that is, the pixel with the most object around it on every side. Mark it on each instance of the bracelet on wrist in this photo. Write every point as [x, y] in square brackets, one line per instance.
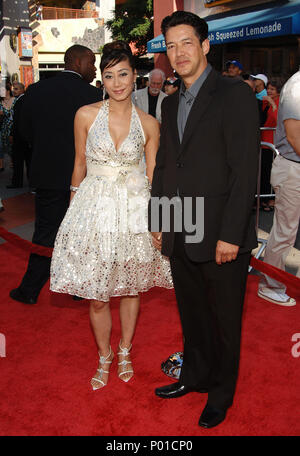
[73, 189]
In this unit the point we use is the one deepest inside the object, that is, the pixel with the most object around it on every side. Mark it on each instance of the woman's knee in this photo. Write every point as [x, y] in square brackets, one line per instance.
[98, 306]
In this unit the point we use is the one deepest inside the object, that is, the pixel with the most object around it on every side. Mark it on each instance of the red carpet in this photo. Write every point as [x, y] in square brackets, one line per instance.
[51, 356]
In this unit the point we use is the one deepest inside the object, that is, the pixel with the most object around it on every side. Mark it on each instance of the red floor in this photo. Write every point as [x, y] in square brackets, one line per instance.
[18, 211]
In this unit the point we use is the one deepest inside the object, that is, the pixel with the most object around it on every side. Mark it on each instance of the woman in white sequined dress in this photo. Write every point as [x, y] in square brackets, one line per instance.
[103, 247]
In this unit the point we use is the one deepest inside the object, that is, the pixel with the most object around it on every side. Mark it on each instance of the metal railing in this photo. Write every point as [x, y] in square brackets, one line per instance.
[263, 145]
[49, 12]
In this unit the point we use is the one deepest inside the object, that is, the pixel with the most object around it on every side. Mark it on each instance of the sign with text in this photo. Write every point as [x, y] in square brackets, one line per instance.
[251, 32]
[25, 42]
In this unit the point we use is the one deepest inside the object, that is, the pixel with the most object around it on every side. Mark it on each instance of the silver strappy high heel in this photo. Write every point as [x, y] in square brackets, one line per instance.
[102, 361]
[125, 352]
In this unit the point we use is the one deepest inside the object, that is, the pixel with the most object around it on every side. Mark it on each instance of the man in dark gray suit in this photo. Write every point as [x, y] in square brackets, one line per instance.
[208, 152]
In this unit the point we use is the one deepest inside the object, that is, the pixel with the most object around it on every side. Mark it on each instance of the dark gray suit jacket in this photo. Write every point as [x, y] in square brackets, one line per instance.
[217, 160]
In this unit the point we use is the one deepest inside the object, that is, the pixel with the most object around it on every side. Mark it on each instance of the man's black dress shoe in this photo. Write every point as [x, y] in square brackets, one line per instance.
[17, 295]
[175, 390]
[211, 417]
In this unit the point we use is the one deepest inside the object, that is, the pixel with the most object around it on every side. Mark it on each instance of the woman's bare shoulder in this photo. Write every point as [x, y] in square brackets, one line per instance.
[89, 110]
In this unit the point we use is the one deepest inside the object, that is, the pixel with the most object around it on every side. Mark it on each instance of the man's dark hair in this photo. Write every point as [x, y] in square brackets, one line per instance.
[186, 18]
[75, 52]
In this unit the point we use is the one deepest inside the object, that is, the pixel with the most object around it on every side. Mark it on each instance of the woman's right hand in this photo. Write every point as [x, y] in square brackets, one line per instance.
[270, 101]
[156, 240]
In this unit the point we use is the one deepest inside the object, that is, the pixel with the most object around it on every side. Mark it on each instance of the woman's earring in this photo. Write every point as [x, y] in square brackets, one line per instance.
[104, 93]
[135, 91]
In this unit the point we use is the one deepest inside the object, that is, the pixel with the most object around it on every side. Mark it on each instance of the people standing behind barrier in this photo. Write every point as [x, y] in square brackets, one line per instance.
[250, 81]
[234, 69]
[261, 82]
[141, 82]
[270, 110]
[47, 123]
[99, 86]
[285, 179]
[149, 99]
[21, 150]
[6, 114]
[17, 89]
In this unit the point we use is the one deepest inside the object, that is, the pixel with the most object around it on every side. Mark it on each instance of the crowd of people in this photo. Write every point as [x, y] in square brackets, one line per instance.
[100, 163]
[9, 139]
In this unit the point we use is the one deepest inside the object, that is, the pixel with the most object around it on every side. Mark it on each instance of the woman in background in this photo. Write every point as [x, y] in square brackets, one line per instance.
[6, 119]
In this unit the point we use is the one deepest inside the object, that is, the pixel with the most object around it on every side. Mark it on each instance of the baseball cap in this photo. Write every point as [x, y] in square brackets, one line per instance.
[260, 76]
[235, 63]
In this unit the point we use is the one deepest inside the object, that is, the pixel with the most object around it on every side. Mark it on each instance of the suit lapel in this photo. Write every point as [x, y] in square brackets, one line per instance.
[199, 107]
[173, 121]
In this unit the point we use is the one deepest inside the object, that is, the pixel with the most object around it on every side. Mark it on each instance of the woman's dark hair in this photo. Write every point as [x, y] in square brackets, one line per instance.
[278, 83]
[116, 52]
[186, 18]
[8, 87]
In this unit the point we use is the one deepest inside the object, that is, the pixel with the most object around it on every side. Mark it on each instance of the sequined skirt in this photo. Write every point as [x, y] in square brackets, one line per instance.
[103, 247]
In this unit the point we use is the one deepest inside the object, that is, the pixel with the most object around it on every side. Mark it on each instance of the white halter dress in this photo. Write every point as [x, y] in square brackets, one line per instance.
[103, 247]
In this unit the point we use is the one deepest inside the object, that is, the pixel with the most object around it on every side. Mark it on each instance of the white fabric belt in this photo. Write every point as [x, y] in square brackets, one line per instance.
[109, 171]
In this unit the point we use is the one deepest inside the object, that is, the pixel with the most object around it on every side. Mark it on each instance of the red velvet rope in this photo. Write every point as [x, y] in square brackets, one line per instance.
[277, 274]
[25, 245]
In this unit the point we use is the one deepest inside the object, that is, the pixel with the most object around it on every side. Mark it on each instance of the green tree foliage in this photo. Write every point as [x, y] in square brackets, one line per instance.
[133, 23]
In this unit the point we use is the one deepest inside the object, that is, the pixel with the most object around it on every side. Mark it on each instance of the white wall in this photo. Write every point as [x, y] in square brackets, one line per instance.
[10, 62]
[55, 36]
[106, 8]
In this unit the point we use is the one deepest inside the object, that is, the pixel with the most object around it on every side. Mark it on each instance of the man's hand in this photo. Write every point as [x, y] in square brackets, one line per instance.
[156, 240]
[226, 252]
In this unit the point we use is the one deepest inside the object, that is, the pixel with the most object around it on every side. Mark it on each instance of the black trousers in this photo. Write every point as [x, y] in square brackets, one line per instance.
[21, 153]
[50, 209]
[210, 300]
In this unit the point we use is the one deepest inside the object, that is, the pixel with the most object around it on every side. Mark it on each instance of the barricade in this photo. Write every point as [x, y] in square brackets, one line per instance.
[277, 274]
[258, 196]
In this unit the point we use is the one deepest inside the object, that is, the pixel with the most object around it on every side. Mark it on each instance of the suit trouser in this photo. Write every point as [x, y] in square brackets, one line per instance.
[285, 179]
[20, 153]
[50, 209]
[210, 300]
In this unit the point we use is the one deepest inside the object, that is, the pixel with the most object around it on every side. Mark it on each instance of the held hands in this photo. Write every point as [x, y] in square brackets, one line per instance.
[156, 240]
[226, 252]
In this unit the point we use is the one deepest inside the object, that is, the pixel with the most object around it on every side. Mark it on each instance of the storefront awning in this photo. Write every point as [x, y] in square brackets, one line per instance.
[261, 23]
[157, 44]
